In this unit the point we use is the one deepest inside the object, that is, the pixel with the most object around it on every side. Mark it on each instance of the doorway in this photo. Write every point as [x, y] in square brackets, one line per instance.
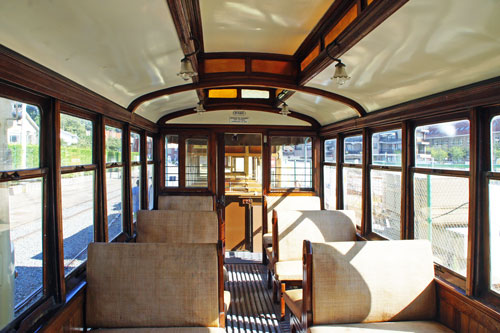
[243, 191]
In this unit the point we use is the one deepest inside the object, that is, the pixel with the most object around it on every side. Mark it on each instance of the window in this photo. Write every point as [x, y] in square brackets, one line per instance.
[352, 176]
[330, 174]
[151, 172]
[494, 209]
[385, 181]
[441, 198]
[136, 167]
[171, 161]
[252, 93]
[114, 181]
[196, 162]
[291, 162]
[21, 205]
[77, 188]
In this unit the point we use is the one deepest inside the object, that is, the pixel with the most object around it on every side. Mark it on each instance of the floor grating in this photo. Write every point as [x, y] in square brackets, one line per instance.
[252, 308]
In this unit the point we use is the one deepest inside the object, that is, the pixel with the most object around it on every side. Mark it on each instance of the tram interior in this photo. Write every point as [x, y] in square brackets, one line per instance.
[250, 166]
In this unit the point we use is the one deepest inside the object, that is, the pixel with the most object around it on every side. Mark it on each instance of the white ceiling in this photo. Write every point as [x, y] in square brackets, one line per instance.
[253, 118]
[426, 47]
[118, 49]
[158, 107]
[277, 26]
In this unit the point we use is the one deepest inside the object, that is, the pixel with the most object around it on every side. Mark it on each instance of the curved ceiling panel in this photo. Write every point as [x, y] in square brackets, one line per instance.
[277, 26]
[227, 117]
[161, 106]
[118, 49]
[426, 47]
[324, 110]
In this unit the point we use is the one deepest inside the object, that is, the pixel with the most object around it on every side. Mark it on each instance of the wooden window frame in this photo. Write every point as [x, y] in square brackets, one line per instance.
[315, 158]
[127, 228]
[53, 287]
[442, 271]
[369, 228]
[182, 137]
[325, 163]
[340, 175]
[76, 276]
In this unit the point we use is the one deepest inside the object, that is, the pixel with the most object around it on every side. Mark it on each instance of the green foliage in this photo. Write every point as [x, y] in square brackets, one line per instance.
[34, 113]
[458, 153]
[77, 126]
[73, 155]
[32, 156]
[439, 154]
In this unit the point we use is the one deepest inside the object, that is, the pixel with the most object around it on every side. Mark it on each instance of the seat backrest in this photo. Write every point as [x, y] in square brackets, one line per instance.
[289, 202]
[177, 226]
[295, 226]
[152, 285]
[375, 281]
[186, 202]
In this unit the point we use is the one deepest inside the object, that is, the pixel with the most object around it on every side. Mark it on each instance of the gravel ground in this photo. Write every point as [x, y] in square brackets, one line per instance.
[26, 227]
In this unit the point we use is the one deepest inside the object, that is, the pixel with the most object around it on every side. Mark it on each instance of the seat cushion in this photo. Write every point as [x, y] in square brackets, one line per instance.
[293, 299]
[267, 240]
[227, 300]
[164, 329]
[392, 327]
[288, 270]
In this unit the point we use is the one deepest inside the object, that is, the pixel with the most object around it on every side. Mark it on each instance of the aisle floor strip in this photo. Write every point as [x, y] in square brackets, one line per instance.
[252, 309]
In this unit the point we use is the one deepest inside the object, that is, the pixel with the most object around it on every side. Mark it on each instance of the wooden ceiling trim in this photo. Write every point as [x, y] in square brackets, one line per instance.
[342, 24]
[224, 66]
[310, 57]
[273, 67]
[314, 123]
[186, 16]
[368, 19]
[248, 81]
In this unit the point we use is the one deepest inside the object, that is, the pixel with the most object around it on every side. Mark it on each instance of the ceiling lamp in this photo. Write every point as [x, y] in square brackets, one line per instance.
[340, 74]
[284, 110]
[199, 108]
[187, 70]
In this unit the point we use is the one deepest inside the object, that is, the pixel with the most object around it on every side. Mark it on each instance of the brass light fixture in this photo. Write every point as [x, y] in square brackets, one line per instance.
[199, 108]
[187, 70]
[340, 74]
[284, 110]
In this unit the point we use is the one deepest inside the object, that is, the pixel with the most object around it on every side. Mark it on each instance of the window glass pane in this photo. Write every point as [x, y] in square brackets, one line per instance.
[441, 215]
[78, 217]
[149, 151]
[443, 146]
[151, 193]
[113, 144]
[171, 161]
[20, 245]
[196, 162]
[76, 140]
[135, 147]
[252, 93]
[353, 149]
[330, 181]
[20, 140]
[352, 178]
[114, 188]
[331, 150]
[386, 203]
[291, 162]
[386, 148]
[495, 144]
[494, 198]
[136, 190]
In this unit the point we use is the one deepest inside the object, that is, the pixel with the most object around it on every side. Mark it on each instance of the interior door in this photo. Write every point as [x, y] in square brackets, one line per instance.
[241, 169]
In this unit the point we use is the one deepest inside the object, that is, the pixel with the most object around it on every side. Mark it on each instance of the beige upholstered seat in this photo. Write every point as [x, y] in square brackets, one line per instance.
[389, 327]
[162, 226]
[364, 283]
[267, 239]
[144, 285]
[164, 329]
[186, 202]
[288, 270]
[293, 299]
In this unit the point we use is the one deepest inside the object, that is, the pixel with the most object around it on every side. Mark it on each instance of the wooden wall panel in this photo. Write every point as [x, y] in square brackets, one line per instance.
[70, 318]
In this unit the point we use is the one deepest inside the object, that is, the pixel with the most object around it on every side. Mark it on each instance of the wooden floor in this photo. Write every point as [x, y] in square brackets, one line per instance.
[252, 308]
